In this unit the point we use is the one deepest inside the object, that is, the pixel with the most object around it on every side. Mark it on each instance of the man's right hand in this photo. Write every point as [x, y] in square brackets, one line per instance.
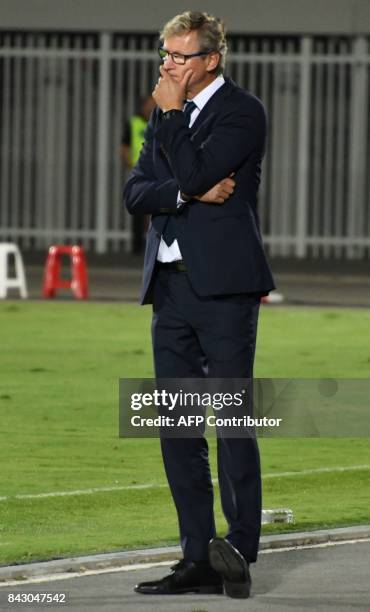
[220, 192]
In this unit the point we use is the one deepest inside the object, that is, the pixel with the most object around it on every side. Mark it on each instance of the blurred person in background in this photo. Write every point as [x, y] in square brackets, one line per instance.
[132, 142]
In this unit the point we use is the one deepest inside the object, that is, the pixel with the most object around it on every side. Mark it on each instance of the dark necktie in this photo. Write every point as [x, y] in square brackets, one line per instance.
[188, 109]
[169, 234]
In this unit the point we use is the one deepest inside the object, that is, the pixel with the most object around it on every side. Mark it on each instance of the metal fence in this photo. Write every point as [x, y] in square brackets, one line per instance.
[64, 99]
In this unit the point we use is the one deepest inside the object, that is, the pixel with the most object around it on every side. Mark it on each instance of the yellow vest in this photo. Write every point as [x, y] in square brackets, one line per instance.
[137, 129]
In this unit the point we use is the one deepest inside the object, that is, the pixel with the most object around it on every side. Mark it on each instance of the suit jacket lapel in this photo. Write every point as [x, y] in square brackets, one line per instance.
[199, 126]
[214, 102]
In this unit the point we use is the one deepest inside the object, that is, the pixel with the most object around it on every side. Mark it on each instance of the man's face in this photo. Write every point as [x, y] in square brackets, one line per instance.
[202, 66]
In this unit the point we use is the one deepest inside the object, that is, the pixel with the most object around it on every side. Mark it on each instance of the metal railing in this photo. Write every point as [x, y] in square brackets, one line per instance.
[64, 100]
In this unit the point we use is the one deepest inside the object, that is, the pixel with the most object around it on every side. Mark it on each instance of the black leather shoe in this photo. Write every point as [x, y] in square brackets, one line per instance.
[232, 566]
[186, 577]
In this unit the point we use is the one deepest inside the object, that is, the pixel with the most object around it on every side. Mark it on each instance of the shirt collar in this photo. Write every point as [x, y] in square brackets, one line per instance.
[201, 99]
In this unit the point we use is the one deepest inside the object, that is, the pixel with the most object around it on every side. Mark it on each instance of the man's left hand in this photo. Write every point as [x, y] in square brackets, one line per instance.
[170, 94]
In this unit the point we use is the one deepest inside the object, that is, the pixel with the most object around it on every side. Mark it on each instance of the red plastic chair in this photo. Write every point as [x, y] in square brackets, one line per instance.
[52, 279]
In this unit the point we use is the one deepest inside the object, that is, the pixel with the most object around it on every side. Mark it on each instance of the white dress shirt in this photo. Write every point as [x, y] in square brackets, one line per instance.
[167, 253]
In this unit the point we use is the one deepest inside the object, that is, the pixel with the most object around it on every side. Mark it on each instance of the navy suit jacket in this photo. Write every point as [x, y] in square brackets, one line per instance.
[220, 243]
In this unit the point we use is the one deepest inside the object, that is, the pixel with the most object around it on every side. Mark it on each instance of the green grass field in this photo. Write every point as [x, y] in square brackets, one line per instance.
[60, 365]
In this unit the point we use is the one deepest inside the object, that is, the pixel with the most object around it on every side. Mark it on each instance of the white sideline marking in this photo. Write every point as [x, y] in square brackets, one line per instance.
[141, 566]
[135, 487]
[90, 491]
[346, 468]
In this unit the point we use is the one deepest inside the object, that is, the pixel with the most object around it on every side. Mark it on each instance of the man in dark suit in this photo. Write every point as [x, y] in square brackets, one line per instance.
[205, 271]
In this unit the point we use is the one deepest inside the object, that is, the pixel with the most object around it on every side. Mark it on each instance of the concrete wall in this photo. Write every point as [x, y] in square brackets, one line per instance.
[265, 16]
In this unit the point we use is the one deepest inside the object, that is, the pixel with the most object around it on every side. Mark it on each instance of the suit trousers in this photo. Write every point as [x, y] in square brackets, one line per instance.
[215, 337]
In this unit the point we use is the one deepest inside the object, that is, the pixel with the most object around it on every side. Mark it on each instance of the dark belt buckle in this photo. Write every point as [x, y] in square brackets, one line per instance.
[180, 266]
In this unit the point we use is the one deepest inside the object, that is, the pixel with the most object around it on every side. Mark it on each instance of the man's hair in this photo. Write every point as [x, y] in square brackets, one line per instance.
[211, 32]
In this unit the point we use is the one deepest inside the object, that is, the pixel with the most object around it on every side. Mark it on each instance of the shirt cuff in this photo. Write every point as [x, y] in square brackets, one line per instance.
[180, 201]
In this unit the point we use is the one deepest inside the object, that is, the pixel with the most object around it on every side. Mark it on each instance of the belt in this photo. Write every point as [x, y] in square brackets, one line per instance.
[178, 266]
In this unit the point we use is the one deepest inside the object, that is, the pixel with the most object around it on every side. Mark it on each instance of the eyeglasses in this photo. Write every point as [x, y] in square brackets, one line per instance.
[179, 58]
